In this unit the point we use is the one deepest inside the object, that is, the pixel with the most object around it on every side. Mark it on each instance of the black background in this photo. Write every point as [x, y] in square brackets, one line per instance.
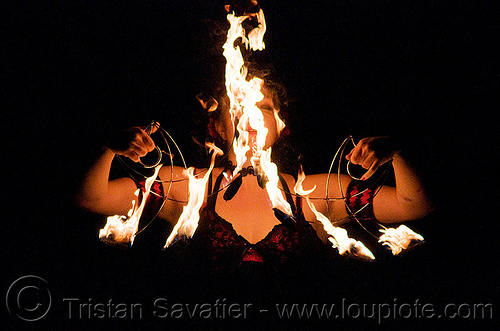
[425, 72]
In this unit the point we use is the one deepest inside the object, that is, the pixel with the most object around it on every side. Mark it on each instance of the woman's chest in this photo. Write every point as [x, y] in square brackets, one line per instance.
[249, 211]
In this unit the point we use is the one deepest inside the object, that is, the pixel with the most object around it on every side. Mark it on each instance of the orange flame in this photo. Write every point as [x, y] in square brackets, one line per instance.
[256, 36]
[188, 220]
[338, 236]
[120, 229]
[244, 95]
[275, 195]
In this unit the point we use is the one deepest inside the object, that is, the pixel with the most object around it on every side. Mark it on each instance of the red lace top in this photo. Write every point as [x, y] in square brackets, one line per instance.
[217, 248]
[227, 252]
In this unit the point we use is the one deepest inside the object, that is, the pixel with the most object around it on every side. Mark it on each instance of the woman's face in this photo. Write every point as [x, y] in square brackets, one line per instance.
[270, 122]
[225, 127]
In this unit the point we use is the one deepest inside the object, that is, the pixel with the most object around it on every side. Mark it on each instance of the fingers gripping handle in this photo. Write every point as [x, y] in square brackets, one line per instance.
[147, 164]
[158, 151]
[349, 163]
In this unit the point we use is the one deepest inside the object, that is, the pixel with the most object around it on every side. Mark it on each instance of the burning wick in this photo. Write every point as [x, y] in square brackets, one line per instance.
[120, 229]
[397, 239]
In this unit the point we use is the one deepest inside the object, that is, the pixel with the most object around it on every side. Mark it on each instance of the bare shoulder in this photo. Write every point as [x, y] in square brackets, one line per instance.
[176, 179]
[168, 173]
[323, 182]
[175, 186]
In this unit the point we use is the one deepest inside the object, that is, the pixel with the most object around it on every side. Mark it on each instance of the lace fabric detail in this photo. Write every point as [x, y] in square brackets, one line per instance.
[359, 200]
[219, 249]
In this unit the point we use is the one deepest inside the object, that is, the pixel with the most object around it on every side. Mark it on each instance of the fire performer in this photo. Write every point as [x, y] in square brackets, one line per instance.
[240, 222]
[244, 217]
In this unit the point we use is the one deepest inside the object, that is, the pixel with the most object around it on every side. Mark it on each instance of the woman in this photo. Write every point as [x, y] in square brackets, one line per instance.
[240, 229]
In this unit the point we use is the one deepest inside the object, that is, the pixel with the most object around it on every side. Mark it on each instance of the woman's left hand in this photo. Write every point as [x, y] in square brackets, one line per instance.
[371, 153]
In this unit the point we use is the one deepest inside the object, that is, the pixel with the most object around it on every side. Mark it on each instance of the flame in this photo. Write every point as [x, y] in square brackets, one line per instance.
[120, 229]
[245, 114]
[207, 102]
[280, 125]
[256, 36]
[399, 239]
[188, 220]
[275, 194]
[338, 236]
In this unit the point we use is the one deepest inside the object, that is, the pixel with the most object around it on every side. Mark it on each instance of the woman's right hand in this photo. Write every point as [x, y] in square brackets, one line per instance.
[133, 143]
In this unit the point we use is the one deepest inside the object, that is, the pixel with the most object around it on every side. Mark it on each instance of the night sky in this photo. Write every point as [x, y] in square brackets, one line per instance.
[424, 72]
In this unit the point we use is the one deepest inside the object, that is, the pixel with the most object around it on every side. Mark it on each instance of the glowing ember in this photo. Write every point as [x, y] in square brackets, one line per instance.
[399, 239]
[245, 114]
[188, 221]
[338, 236]
[120, 229]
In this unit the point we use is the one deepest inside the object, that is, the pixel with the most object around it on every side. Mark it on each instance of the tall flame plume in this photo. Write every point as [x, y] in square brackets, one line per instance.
[244, 94]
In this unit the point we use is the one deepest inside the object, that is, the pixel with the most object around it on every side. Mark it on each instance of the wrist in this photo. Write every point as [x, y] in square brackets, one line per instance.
[398, 158]
[107, 152]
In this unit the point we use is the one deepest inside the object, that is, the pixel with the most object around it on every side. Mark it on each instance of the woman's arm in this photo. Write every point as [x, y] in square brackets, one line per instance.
[109, 197]
[100, 195]
[408, 200]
